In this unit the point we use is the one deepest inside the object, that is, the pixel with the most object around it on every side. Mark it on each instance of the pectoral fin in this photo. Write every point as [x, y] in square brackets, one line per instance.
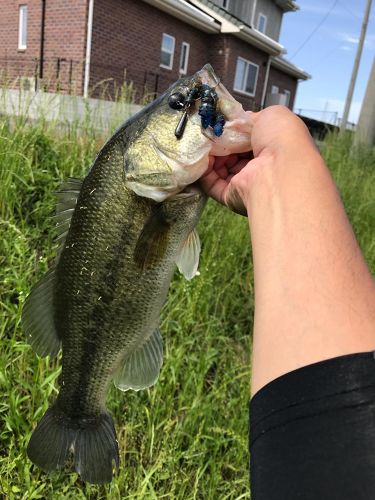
[153, 240]
[188, 259]
[141, 369]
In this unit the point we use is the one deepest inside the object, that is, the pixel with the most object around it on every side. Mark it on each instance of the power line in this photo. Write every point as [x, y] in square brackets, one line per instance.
[315, 29]
[355, 14]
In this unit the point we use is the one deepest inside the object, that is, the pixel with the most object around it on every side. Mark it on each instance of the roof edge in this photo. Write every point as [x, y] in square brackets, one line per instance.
[189, 14]
[289, 68]
[287, 5]
[260, 40]
[242, 31]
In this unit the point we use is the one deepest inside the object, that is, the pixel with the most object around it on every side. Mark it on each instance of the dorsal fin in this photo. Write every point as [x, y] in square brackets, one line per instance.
[37, 315]
[67, 197]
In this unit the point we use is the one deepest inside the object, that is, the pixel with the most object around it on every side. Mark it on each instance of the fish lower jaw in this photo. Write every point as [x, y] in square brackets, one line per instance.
[190, 190]
[152, 192]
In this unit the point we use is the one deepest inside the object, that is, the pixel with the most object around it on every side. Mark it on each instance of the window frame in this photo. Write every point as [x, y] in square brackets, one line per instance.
[171, 53]
[22, 26]
[265, 22]
[248, 63]
[225, 7]
[273, 87]
[183, 69]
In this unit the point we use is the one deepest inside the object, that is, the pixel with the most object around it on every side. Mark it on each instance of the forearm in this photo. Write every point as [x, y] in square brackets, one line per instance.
[314, 296]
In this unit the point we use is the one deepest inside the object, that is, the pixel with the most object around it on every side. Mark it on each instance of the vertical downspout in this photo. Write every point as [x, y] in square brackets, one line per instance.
[253, 13]
[42, 30]
[88, 49]
[262, 102]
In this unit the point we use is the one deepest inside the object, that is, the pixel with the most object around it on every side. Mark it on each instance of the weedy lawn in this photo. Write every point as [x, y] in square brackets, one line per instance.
[186, 438]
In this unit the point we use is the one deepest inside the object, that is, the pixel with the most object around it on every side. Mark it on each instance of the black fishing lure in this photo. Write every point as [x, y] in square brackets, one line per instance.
[210, 117]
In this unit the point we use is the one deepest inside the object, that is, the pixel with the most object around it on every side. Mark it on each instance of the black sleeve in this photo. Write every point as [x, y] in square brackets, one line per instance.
[312, 433]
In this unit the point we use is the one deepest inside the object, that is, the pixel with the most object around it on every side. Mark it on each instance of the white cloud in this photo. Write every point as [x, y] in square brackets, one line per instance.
[351, 39]
[348, 38]
[346, 47]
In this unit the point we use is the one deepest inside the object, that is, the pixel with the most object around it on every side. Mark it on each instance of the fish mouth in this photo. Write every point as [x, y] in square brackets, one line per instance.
[207, 75]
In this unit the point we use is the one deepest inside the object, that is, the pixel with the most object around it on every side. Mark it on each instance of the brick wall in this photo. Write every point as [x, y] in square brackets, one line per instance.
[15, 62]
[64, 46]
[284, 82]
[65, 38]
[126, 45]
[224, 51]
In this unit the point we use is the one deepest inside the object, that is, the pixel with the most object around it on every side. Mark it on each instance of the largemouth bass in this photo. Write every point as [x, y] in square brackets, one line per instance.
[122, 231]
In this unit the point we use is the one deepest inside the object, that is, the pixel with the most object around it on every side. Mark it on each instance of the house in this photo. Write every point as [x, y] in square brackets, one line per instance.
[91, 47]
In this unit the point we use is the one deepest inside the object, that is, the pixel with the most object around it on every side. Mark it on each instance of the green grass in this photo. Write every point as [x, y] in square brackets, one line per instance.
[186, 438]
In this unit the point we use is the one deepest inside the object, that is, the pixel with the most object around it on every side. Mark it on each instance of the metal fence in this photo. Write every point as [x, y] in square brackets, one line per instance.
[324, 116]
[64, 75]
[109, 82]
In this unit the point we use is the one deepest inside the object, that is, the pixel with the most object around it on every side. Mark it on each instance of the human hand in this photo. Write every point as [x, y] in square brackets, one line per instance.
[223, 179]
[279, 139]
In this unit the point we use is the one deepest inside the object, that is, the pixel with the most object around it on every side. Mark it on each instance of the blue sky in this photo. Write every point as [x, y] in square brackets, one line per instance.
[329, 55]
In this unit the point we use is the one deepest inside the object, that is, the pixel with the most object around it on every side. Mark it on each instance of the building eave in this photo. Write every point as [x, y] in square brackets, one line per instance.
[289, 68]
[259, 40]
[287, 5]
[231, 25]
[186, 12]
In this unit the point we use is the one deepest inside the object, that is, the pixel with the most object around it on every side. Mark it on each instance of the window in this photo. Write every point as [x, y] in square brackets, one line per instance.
[224, 4]
[274, 89]
[167, 51]
[262, 23]
[22, 27]
[184, 58]
[246, 77]
[287, 97]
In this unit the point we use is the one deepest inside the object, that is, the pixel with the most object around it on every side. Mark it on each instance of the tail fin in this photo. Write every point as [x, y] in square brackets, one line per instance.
[93, 441]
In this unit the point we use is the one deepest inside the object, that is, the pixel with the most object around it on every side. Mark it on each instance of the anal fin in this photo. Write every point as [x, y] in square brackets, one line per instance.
[141, 369]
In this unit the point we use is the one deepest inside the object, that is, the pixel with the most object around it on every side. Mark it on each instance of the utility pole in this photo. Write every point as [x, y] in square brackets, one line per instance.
[353, 79]
[365, 133]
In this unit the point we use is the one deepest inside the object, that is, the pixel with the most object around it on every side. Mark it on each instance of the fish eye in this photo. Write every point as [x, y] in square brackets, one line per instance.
[176, 100]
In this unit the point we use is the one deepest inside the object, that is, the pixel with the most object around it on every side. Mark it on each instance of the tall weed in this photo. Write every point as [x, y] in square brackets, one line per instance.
[186, 438]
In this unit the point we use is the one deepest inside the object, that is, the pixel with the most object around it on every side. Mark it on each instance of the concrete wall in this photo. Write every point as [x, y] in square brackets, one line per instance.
[99, 114]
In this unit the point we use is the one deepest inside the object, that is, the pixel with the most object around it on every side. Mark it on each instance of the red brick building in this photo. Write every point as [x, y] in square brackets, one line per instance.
[91, 47]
